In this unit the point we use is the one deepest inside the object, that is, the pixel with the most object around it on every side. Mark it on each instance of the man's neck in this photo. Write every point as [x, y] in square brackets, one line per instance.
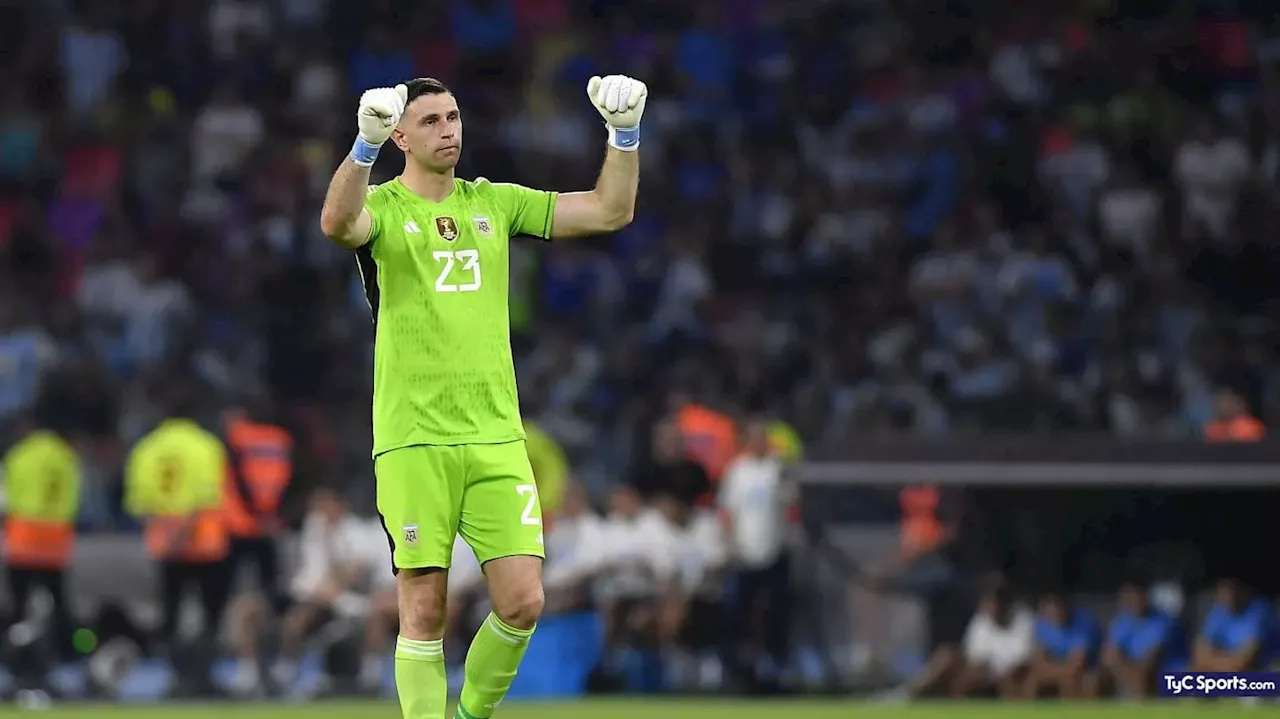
[431, 186]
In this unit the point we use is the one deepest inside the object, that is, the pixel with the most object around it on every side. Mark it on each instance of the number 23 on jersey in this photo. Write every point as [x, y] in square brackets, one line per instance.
[459, 270]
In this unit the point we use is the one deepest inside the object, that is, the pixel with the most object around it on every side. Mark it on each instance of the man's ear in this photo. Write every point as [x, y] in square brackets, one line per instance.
[397, 136]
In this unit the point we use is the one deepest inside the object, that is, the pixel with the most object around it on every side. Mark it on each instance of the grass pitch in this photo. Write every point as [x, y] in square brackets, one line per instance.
[678, 709]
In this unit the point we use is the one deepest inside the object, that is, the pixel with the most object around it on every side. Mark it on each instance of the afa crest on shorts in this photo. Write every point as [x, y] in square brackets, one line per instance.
[448, 228]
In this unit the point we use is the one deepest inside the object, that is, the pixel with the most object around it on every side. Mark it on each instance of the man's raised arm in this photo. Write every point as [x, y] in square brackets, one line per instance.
[343, 218]
[610, 206]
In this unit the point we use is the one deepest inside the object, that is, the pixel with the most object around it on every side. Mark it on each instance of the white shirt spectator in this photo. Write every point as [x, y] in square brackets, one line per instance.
[577, 551]
[231, 22]
[1000, 649]
[930, 112]
[149, 326]
[222, 136]
[108, 289]
[316, 85]
[1015, 71]
[639, 556]
[326, 549]
[1130, 216]
[686, 283]
[1210, 175]
[1078, 173]
[751, 494]
[694, 554]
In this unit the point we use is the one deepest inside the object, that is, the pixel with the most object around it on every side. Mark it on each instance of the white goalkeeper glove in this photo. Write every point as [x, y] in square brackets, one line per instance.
[379, 113]
[620, 101]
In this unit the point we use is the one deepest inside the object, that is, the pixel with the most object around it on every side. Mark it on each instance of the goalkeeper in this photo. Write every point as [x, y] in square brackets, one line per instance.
[448, 444]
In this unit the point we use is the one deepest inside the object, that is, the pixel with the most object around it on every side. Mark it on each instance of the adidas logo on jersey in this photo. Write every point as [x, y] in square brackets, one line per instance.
[412, 227]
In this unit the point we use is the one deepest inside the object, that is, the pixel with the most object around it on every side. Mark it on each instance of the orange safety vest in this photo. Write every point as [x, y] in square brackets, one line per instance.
[1238, 429]
[207, 540]
[38, 544]
[922, 530]
[260, 453]
[710, 438]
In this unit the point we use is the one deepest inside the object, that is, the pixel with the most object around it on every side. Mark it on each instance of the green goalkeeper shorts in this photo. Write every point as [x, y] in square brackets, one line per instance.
[430, 494]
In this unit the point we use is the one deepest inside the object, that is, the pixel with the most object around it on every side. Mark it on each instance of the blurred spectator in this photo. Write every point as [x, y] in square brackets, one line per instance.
[1232, 421]
[710, 437]
[578, 553]
[1237, 632]
[26, 352]
[1140, 642]
[338, 578]
[694, 627]
[751, 501]
[224, 133]
[92, 57]
[670, 471]
[550, 467]
[997, 647]
[1066, 648]
[640, 577]
[1211, 169]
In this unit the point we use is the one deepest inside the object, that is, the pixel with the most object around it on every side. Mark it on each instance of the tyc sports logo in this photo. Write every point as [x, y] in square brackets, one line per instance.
[1230, 684]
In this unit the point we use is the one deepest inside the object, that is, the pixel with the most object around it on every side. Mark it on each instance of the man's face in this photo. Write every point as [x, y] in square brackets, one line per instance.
[430, 131]
[1133, 599]
[1227, 405]
[757, 437]
[330, 508]
[1229, 595]
[625, 502]
[668, 441]
[1053, 610]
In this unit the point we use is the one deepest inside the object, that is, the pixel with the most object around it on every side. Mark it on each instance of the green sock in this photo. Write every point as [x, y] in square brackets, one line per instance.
[420, 678]
[492, 661]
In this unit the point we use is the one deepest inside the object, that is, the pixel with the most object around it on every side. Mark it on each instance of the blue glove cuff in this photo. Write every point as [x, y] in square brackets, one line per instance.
[626, 139]
[364, 154]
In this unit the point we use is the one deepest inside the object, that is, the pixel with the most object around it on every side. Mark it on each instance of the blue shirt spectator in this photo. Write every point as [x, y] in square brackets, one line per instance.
[1140, 635]
[1236, 634]
[25, 353]
[1232, 631]
[1068, 634]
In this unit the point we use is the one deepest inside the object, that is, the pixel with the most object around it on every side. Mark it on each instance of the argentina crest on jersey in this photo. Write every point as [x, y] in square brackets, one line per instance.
[447, 227]
[483, 226]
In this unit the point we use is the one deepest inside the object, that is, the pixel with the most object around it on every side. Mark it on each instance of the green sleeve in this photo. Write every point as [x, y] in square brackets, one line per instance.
[375, 204]
[526, 211]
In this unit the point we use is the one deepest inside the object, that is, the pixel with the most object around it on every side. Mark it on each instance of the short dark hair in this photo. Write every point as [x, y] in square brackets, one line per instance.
[420, 86]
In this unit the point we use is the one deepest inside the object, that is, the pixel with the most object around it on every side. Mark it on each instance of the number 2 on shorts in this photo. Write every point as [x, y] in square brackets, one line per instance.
[531, 494]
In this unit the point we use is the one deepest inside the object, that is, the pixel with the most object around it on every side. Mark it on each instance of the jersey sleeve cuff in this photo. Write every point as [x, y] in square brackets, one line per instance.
[550, 215]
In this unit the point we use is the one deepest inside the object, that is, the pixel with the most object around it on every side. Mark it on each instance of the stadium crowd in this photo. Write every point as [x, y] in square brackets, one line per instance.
[856, 219]
[1010, 220]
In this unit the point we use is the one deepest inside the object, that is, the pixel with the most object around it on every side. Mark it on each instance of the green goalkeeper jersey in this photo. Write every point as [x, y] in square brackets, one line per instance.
[436, 277]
